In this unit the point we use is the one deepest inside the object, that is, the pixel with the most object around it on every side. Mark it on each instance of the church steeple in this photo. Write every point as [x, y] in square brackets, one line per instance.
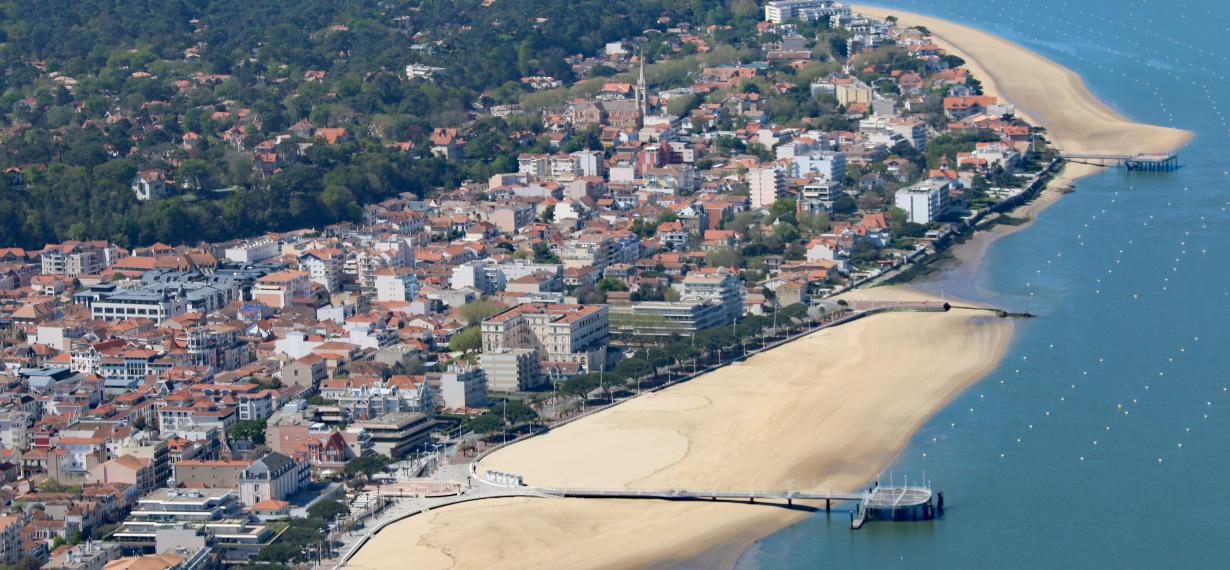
[642, 95]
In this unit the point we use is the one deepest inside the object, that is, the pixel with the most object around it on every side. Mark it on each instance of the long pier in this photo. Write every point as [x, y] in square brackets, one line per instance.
[876, 503]
[713, 495]
[1143, 162]
[873, 307]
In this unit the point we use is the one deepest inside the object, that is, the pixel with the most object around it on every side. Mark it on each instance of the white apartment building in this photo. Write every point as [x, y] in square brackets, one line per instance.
[196, 422]
[324, 267]
[782, 11]
[532, 165]
[474, 275]
[255, 407]
[461, 387]
[563, 167]
[10, 538]
[598, 250]
[277, 289]
[716, 285]
[820, 194]
[560, 333]
[925, 201]
[274, 476]
[588, 162]
[829, 164]
[73, 258]
[15, 429]
[136, 303]
[253, 251]
[364, 399]
[396, 284]
[891, 129]
[672, 179]
[361, 265]
[765, 185]
[512, 370]
[214, 346]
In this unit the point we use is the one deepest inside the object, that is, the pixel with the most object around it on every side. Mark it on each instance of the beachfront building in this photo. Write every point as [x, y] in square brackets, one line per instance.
[209, 473]
[666, 318]
[325, 448]
[925, 202]
[782, 11]
[461, 386]
[274, 476]
[393, 435]
[512, 370]
[192, 519]
[364, 397]
[559, 333]
[721, 286]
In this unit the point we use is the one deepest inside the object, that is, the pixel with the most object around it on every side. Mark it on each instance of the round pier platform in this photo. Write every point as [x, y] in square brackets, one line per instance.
[899, 504]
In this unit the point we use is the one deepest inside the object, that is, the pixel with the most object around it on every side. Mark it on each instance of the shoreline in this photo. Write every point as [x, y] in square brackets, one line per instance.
[1044, 92]
[833, 424]
[703, 432]
[1073, 116]
[966, 257]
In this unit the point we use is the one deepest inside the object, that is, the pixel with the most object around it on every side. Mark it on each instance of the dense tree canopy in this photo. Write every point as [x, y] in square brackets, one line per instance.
[93, 92]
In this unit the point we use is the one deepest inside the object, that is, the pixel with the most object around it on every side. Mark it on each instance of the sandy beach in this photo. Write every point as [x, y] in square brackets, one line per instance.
[829, 411]
[1046, 94]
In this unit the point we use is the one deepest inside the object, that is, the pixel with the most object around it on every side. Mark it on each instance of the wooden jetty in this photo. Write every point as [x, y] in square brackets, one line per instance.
[1143, 162]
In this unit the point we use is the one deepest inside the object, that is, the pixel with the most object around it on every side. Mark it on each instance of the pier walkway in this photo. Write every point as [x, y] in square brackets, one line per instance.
[713, 495]
[459, 483]
[892, 500]
[1158, 162]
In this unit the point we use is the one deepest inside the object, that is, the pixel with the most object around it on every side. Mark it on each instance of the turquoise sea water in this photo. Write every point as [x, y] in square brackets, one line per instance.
[1102, 440]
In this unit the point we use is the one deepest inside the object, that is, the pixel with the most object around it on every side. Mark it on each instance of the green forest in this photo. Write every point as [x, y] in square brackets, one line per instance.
[93, 92]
